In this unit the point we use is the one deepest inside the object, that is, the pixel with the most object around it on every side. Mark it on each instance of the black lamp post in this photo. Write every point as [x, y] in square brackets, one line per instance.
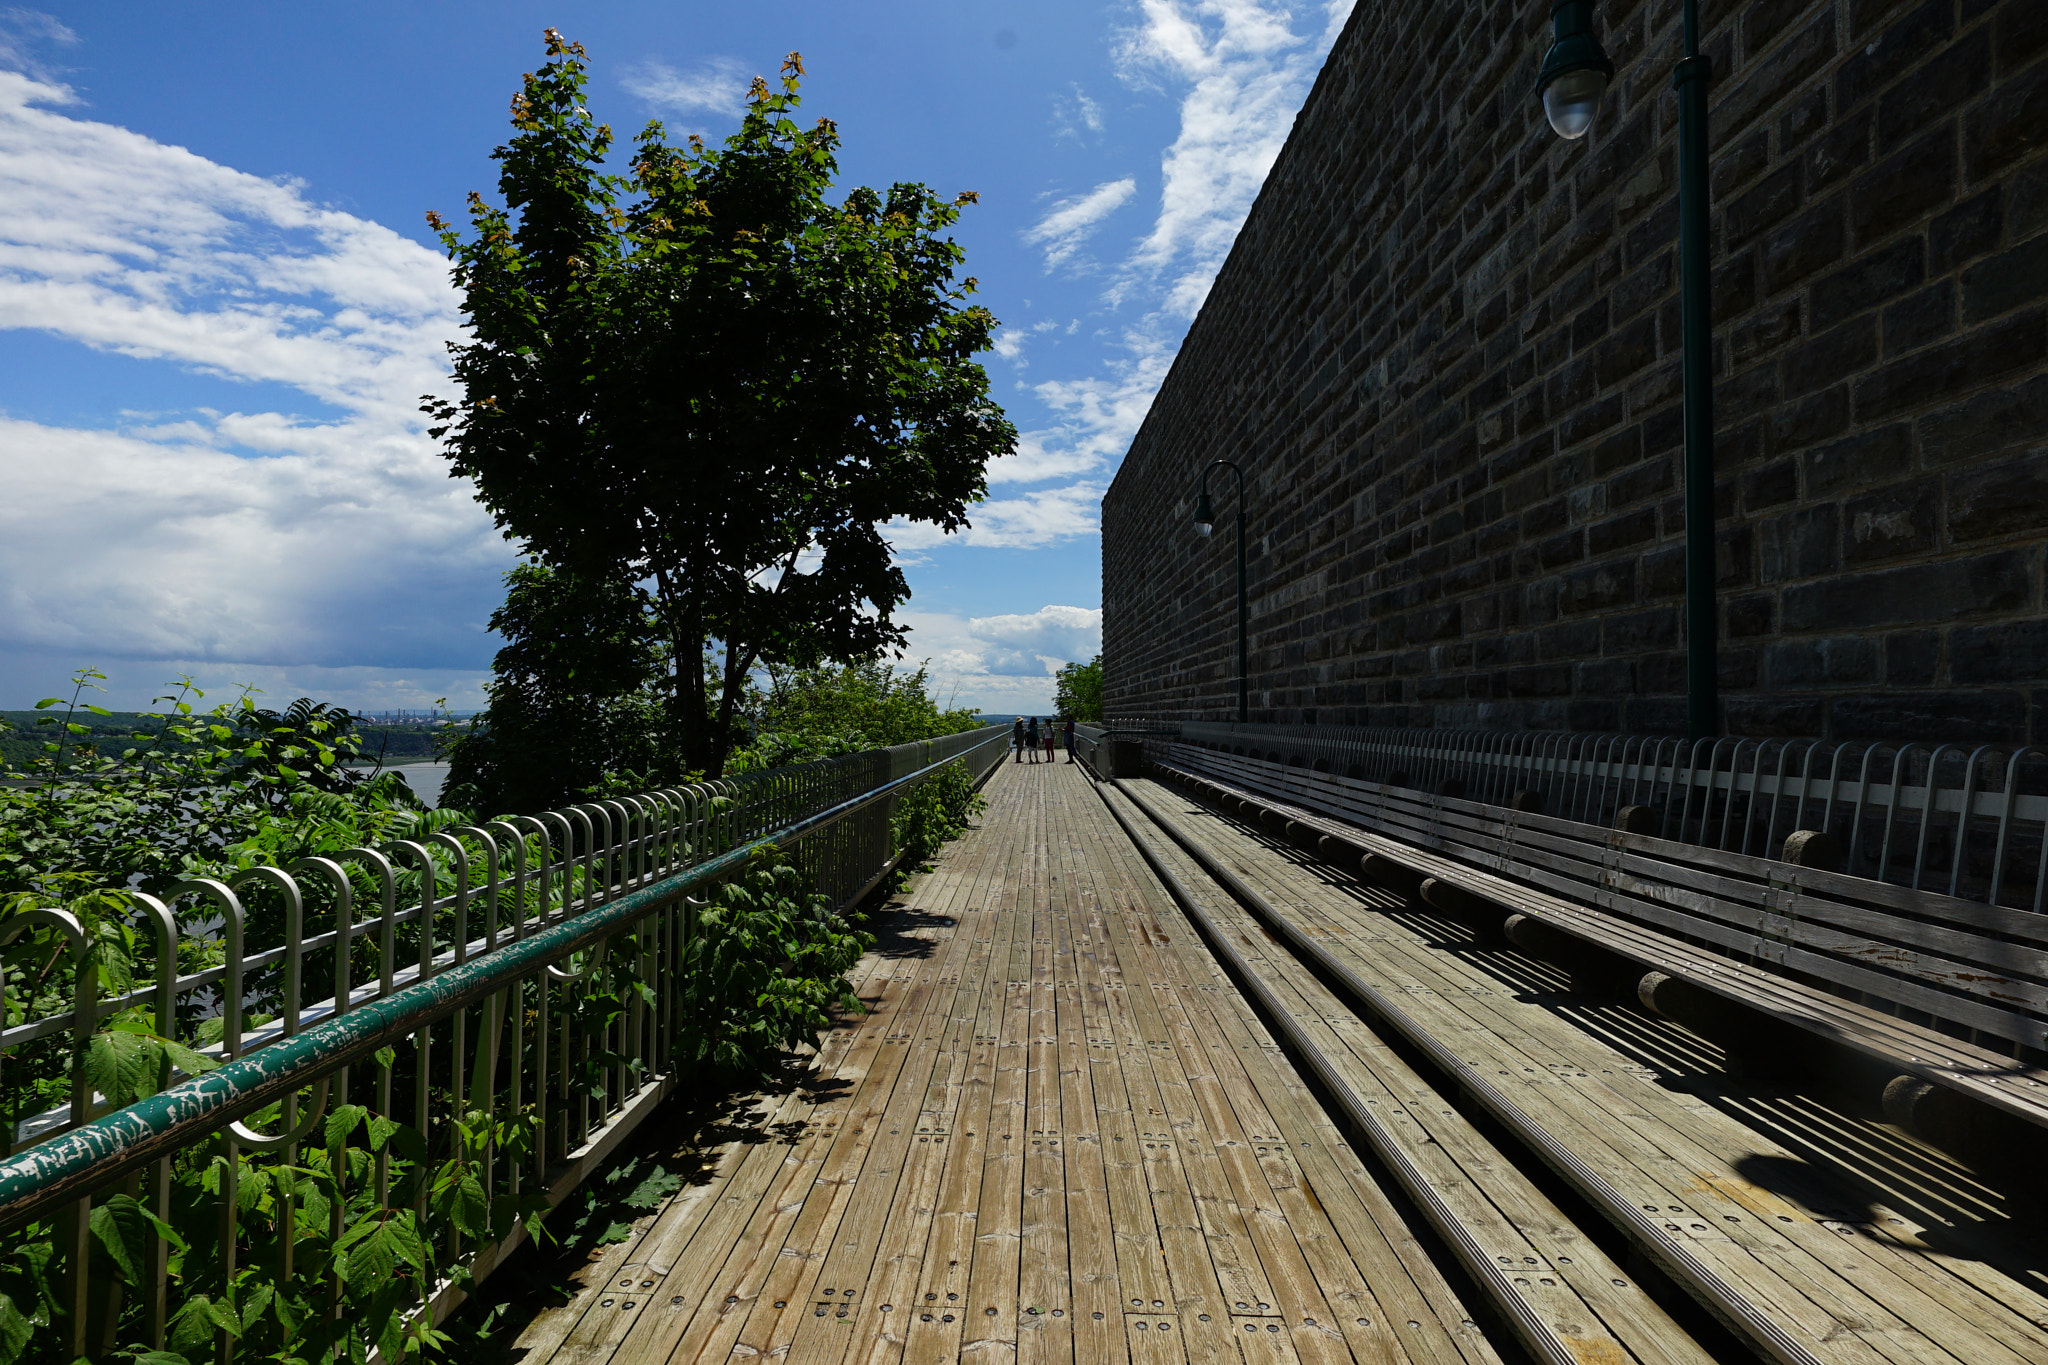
[1205, 521]
[1574, 76]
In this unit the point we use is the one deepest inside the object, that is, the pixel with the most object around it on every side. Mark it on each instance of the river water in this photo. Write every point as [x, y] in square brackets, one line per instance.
[424, 778]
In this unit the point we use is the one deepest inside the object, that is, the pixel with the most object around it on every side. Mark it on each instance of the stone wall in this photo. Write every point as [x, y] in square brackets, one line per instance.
[1445, 350]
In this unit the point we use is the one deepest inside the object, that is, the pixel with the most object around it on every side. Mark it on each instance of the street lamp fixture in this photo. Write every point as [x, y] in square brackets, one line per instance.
[1575, 75]
[1575, 72]
[1205, 522]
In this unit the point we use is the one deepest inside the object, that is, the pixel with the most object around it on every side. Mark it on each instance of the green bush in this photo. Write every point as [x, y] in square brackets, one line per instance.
[934, 811]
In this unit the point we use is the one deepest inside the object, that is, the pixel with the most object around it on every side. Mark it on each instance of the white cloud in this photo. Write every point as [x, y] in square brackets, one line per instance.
[1243, 68]
[1071, 117]
[110, 545]
[1062, 231]
[1248, 72]
[24, 33]
[128, 245]
[1002, 663]
[1030, 522]
[268, 539]
[716, 85]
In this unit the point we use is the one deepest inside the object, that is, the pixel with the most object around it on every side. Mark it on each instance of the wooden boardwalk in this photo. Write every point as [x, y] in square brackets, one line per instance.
[1061, 1135]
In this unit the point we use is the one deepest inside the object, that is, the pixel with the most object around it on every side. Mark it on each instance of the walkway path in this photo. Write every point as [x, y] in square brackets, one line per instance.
[1061, 1135]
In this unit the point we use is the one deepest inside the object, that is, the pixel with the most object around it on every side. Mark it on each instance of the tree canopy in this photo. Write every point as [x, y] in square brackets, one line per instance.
[1079, 690]
[709, 384]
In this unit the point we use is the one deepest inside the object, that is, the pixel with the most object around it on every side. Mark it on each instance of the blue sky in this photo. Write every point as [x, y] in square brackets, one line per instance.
[219, 301]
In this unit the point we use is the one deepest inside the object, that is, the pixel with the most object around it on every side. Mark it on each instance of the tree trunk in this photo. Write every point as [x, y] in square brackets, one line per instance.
[684, 623]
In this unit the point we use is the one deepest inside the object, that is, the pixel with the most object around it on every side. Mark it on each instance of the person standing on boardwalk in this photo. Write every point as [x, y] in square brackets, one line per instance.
[1048, 739]
[1031, 737]
[1070, 739]
[1017, 738]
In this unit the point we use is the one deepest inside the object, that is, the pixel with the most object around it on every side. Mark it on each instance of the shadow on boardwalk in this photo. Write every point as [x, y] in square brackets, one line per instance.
[678, 1147]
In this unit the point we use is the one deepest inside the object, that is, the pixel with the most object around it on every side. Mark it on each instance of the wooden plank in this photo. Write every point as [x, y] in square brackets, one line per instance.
[943, 1279]
[1095, 1308]
[1251, 1148]
[761, 1273]
[1042, 1338]
[1570, 1284]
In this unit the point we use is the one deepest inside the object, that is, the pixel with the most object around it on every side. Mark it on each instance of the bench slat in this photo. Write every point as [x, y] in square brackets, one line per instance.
[1974, 915]
[1997, 1080]
[1988, 969]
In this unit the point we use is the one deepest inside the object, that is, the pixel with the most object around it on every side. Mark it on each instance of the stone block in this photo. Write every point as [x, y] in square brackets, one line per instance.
[1967, 231]
[1904, 188]
[2002, 500]
[1817, 663]
[1954, 588]
[2009, 652]
[1869, 281]
[2011, 124]
[1972, 717]
[1919, 319]
[1970, 361]
[2012, 279]
[1991, 423]
[1802, 544]
[1891, 523]
[1912, 658]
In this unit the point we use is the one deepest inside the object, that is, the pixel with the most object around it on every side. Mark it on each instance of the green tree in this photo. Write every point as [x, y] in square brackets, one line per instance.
[709, 380]
[1079, 690]
[804, 714]
[577, 699]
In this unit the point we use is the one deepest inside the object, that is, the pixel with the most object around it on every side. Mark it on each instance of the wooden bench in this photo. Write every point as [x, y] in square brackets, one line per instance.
[1939, 1003]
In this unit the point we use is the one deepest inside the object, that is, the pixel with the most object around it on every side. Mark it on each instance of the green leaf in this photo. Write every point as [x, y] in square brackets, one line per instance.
[224, 1317]
[121, 1066]
[194, 1325]
[367, 1264]
[15, 1331]
[381, 1129]
[124, 1229]
[186, 1060]
[470, 1210]
[405, 1239]
[343, 1122]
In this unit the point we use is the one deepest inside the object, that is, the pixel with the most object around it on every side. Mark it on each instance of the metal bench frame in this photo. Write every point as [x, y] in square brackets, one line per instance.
[1802, 947]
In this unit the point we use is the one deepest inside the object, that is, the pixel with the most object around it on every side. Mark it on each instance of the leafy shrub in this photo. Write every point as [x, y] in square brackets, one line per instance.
[934, 811]
[764, 968]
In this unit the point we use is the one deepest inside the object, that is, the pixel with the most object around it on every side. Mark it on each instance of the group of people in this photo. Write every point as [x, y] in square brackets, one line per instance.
[1027, 735]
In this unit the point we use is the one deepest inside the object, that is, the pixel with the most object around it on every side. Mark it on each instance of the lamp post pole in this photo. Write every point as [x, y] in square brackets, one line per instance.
[1696, 347]
[1575, 74]
[1205, 518]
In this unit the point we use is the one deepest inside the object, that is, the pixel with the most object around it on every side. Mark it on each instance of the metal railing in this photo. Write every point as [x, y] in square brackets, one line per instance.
[1964, 820]
[532, 968]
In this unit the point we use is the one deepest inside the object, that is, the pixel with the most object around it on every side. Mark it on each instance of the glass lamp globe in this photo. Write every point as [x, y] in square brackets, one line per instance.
[1570, 101]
